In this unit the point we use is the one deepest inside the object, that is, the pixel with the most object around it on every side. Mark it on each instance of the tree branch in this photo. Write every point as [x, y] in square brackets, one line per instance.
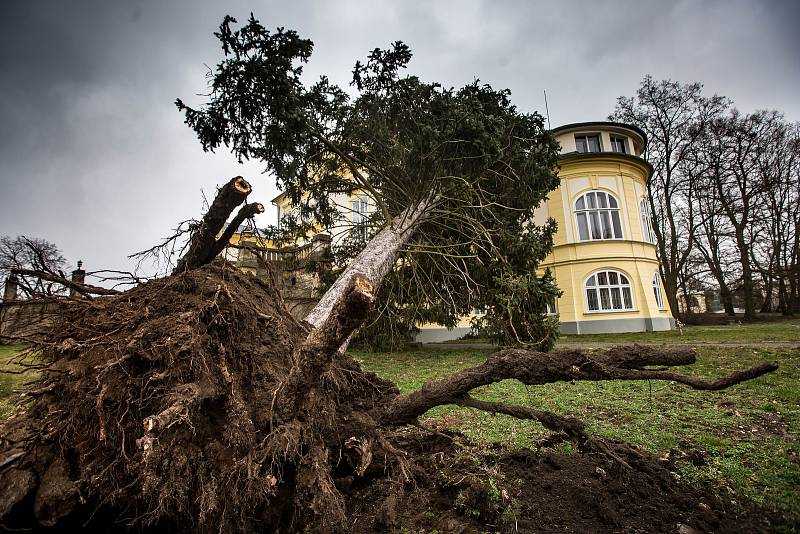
[245, 212]
[536, 368]
[83, 289]
[202, 243]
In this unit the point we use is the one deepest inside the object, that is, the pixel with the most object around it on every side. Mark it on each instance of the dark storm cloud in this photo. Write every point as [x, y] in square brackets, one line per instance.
[94, 156]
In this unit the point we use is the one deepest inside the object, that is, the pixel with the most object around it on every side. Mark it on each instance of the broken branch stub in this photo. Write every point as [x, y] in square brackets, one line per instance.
[245, 212]
[204, 239]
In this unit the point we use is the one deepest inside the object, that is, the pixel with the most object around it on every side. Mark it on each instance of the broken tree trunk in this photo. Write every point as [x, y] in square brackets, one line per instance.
[204, 241]
[245, 212]
[313, 358]
[374, 262]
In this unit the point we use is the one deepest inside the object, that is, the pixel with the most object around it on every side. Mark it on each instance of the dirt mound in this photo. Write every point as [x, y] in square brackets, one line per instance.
[466, 489]
[186, 405]
[155, 405]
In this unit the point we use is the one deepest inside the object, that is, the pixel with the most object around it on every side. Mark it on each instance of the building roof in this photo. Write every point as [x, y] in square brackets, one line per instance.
[593, 124]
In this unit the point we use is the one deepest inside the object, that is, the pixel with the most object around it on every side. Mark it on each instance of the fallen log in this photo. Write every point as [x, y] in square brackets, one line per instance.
[536, 368]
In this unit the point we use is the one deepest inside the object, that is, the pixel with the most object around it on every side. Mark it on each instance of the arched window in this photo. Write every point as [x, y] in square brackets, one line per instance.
[657, 291]
[598, 216]
[608, 291]
[647, 221]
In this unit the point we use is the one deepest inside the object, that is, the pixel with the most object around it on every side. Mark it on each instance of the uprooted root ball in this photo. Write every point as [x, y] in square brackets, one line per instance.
[158, 404]
[197, 403]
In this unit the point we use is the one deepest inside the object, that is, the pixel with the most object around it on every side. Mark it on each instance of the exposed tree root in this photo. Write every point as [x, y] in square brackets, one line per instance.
[197, 403]
[537, 368]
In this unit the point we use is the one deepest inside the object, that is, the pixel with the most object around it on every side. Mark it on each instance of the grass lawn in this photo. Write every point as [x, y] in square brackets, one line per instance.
[10, 382]
[777, 330]
[745, 441]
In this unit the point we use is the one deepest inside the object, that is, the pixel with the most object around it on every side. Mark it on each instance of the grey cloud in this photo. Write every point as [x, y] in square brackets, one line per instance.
[95, 157]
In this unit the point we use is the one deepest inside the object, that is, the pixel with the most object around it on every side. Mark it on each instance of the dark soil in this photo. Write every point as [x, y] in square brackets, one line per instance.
[468, 490]
[160, 410]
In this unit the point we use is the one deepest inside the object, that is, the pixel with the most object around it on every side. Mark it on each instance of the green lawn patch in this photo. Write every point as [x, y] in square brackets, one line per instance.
[743, 440]
[10, 381]
[778, 329]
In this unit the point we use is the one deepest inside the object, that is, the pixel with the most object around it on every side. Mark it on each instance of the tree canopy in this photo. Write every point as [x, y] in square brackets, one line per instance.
[475, 165]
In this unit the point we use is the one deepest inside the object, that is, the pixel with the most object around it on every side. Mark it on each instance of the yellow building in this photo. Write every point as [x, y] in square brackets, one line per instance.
[604, 257]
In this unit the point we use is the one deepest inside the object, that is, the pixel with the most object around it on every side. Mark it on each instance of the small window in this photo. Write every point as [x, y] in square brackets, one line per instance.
[360, 217]
[550, 307]
[608, 291]
[587, 143]
[619, 144]
[598, 216]
[647, 221]
[657, 291]
[360, 209]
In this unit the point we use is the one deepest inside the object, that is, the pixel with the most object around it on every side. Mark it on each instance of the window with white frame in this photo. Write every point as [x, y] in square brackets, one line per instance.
[587, 143]
[619, 144]
[647, 221]
[657, 291]
[360, 216]
[608, 291]
[550, 307]
[598, 216]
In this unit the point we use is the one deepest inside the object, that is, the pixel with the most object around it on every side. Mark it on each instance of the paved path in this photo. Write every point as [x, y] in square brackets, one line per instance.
[606, 344]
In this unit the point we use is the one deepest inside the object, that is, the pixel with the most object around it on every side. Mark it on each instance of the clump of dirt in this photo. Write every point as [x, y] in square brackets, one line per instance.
[461, 488]
[161, 409]
[155, 407]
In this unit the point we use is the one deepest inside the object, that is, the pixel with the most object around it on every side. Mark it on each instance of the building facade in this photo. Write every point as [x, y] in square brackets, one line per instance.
[604, 257]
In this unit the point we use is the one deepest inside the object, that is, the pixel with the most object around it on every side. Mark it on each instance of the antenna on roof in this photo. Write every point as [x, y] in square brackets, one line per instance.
[546, 108]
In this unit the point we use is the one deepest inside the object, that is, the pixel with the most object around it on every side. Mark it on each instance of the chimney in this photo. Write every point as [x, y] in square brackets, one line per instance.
[10, 292]
[78, 276]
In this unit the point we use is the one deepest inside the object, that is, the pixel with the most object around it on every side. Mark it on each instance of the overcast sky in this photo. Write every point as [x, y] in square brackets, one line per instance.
[95, 157]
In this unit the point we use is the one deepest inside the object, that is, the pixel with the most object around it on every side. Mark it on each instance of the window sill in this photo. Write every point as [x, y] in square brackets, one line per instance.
[601, 312]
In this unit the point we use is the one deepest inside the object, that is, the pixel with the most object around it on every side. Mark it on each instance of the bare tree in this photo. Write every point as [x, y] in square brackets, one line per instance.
[774, 230]
[673, 115]
[21, 255]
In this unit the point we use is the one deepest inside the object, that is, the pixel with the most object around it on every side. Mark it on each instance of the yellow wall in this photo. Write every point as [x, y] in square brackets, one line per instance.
[573, 261]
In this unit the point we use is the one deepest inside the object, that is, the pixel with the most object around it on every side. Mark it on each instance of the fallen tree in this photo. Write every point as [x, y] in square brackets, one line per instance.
[196, 402]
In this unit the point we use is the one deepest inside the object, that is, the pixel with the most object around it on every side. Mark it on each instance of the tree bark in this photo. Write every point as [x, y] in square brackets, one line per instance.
[536, 368]
[203, 241]
[246, 212]
[374, 262]
[727, 300]
[314, 356]
[747, 275]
